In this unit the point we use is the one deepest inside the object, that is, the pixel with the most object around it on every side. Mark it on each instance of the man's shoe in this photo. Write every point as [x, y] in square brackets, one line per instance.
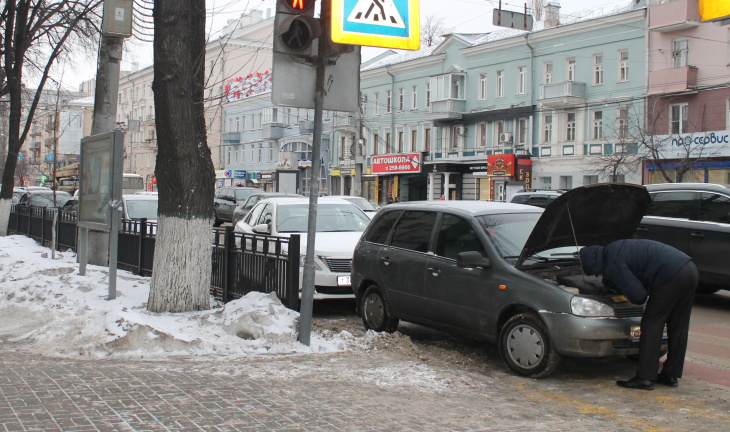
[637, 383]
[667, 380]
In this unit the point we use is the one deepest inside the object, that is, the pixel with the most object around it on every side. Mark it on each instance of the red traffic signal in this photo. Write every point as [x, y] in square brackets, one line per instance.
[298, 5]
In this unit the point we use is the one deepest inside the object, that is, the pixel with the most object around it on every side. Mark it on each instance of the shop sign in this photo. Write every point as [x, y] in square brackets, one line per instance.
[693, 145]
[396, 163]
[502, 165]
[222, 173]
[266, 176]
[347, 172]
[304, 164]
[524, 172]
[239, 174]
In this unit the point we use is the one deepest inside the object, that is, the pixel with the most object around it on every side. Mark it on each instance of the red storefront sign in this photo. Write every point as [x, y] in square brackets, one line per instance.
[501, 165]
[402, 163]
[524, 172]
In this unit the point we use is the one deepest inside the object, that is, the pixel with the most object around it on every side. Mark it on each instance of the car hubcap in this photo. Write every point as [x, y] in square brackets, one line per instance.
[525, 346]
[374, 311]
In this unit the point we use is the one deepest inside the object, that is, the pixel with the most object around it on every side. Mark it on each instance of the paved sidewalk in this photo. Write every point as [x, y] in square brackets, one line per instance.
[354, 391]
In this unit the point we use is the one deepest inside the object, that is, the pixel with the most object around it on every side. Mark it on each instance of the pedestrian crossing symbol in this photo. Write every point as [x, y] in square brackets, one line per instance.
[381, 23]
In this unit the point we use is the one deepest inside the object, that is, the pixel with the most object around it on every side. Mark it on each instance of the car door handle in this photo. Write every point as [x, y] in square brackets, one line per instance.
[642, 229]
[434, 271]
[697, 235]
[385, 260]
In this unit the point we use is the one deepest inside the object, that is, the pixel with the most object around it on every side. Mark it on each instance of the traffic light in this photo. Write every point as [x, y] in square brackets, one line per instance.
[295, 26]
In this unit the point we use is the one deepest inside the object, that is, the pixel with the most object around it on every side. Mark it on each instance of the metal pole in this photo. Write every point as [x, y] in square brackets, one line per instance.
[305, 319]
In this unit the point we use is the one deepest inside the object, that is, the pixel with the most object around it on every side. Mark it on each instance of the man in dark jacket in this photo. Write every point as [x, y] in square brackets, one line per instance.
[645, 268]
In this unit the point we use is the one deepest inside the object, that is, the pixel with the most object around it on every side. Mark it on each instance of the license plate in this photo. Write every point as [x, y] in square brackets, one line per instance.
[343, 280]
[635, 333]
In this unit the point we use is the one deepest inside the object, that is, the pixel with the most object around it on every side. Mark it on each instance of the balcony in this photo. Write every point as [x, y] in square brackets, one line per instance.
[564, 94]
[150, 144]
[149, 119]
[306, 126]
[346, 124]
[674, 15]
[447, 109]
[272, 130]
[232, 137]
[672, 80]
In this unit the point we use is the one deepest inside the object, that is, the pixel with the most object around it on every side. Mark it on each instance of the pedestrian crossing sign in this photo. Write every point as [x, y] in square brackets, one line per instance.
[379, 23]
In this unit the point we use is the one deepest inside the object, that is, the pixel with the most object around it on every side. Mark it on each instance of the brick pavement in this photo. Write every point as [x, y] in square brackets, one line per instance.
[356, 391]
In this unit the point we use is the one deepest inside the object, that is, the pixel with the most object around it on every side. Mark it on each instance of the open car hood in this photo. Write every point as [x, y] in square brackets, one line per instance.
[600, 214]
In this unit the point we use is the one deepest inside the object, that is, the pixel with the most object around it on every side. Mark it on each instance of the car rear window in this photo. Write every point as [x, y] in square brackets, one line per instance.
[414, 230]
[381, 227]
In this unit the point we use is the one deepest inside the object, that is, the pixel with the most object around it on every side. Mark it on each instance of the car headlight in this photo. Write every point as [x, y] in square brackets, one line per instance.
[582, 306]
[303, 258]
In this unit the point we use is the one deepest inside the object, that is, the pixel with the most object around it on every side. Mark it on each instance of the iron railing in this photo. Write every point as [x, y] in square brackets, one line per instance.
[242, 263]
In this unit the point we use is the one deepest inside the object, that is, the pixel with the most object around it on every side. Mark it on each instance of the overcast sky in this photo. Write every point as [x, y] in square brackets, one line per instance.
[464, 16]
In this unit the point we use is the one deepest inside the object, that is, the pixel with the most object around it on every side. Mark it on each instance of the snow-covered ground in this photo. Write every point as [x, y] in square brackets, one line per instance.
[46, 307]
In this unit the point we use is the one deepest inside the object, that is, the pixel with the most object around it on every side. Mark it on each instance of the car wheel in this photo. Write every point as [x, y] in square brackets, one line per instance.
[375, 311]
[216, 220]
[526, 348]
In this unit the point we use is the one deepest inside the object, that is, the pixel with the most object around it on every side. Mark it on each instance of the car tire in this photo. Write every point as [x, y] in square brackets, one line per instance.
[216, 220]
[375, 311]
[526, 348]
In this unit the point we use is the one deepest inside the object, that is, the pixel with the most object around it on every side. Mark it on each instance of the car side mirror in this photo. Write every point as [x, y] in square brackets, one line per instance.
[472, 259]
[261, 229]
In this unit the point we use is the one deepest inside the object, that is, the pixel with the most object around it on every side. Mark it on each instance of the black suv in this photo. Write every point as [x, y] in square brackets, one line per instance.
[694, 218]
[227, 199]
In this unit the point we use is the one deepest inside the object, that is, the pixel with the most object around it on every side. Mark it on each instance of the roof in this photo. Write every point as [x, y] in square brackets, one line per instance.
[473, 207]
[688, 186]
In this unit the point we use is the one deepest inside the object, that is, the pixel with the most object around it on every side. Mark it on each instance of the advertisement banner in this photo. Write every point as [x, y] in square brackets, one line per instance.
[502, 165]
[403, 163]
[524, 172]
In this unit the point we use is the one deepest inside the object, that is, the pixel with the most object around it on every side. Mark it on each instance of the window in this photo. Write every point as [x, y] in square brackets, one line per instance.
[482, 134]
[458, 135]
[387, 143]
[364, 105]
[714, 208]
[400, 142]
[401, 99]
[271, 152]
[483, 87]
[570, 70]
[448, 86]
[379, 232]
[597, 125]
[570, 128]
[427, 139]
[500, 83]
[414, 142]
[376, 143]
[428, 95]
[522, 84]
[623, 65]
[678, 119]
[680, 52]
[521, 131]
[547, 74]
[388, 101]
[456, 235]
[343, 147]
[590, 179]
[622, 123]
[499, 130]
[547, 128]
[671, 204]
[598, 69]
[566, 182]
[260, 152]
[413, 231]
[414, 97]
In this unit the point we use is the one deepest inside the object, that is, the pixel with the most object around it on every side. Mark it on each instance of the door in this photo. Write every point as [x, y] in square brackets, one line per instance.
[668, 219]
[456, 296]
[402, 265]
[709, 243]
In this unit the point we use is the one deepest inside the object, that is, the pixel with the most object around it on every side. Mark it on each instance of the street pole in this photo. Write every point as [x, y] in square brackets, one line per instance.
[305, 318]
[357, 186]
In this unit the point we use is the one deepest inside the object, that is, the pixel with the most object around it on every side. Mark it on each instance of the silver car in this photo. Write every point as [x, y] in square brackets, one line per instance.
[506, 273]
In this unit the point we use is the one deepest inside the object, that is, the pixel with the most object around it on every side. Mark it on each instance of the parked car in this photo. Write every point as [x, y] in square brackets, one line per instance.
[247, 205]
[339, 227]
[536, 197]
[364, 205]
[227, 199]
[140, 205]
[43, 198]
[506, 273]
[694, 218]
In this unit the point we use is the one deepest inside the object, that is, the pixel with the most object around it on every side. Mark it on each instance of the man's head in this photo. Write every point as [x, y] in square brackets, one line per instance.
[591, 259]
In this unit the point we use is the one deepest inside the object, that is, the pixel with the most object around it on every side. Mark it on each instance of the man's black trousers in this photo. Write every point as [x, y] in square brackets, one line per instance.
[670, 304]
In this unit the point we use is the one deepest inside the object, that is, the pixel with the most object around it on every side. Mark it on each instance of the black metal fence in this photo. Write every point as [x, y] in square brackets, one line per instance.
[242, 263]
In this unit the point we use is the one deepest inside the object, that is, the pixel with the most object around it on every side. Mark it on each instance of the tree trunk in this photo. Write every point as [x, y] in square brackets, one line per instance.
[184, 169]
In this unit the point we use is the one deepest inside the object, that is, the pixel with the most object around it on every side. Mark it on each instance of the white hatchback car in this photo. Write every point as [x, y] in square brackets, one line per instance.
[339, 227]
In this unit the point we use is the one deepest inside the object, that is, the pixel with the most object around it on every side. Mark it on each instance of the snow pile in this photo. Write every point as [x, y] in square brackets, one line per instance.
[46, 307]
